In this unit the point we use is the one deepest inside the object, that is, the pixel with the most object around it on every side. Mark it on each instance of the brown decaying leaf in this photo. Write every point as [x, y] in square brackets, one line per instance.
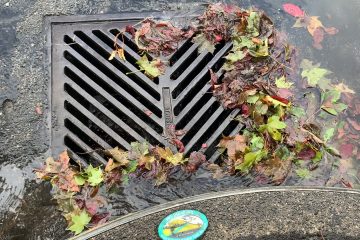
[354, 124]
[118, 155]
[233, 144]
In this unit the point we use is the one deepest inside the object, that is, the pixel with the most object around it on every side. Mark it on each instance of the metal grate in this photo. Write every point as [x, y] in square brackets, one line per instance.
[96, 105]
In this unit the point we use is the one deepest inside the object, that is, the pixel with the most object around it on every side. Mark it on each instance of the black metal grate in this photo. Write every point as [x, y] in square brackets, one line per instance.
[96, 105]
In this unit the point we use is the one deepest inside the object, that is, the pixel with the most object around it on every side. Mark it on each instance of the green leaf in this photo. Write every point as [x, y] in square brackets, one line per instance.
[303, 173]
[132, 166]
[241, 42]
[252, 99]
[329, 133]
[261, 50]
[339, 107]
[261, 108]
[152, 69]
[281, 83]
[140, 149]
[314, 75]
[256, 143]
[204, 44]
[78, 222]
[95, 175]
[317, 158]
[272, 127]
[274, 122]
[79, 180]
[235, 56]
[250, 159]
[297, 111]
[253, 24]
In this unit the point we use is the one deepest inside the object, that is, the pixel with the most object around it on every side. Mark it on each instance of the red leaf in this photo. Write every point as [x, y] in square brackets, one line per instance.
[346, 184]
[284, 93]
[245, 110]
[213, 79]
[280, 99]
[293, 10]
[354, 124]
[346, 150]
[180, 146]
[318, 38]
[218, 38]
[204, 145]
[306, 154]
[331, 30]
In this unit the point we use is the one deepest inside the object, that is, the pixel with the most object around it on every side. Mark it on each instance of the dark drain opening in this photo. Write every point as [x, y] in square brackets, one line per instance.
[109, 73]
[80, 82]
[180, 52]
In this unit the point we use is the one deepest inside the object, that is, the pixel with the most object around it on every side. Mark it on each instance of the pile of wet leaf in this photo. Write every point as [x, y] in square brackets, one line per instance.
[293, 112]
[76, 190]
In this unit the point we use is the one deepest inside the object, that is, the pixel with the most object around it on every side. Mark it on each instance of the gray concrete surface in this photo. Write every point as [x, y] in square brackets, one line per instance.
[263, 215]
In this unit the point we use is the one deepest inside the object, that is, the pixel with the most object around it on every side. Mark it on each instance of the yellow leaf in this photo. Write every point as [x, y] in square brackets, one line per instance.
[113, 54]
[118, 155]
[111, 165]
[169, 157]
[314, 23]
[147, 161]
[121, 53]
[341, 87]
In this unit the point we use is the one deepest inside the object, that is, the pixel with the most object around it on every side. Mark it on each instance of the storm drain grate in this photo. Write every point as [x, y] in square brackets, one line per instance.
[95, 105]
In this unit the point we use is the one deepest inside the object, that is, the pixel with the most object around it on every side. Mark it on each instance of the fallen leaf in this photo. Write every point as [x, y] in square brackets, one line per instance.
[343, 88]
[303, 173]
[354, 124]
[170, 157]
[306, 153]
[318, 37]
[346, 150]
[329, 133]
[233, 144]
[314, 23]
[94, 175]
[293, 10]
[194, 161]
[79, 221]
[250, 159]
[152, 69]
[111, 165]
[282, 83]
[118, 155]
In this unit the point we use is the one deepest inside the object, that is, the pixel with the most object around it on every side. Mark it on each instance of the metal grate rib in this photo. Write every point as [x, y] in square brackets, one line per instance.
[97, 105]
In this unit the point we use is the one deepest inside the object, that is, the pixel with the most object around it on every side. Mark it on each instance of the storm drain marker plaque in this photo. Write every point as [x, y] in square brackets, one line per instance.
[96, 105]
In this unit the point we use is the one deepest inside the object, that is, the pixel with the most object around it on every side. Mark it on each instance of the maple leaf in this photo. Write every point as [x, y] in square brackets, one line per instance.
[94, 175]
[315, 75]
[272, 127]
[253, 24]
[194, 161]
[152, 69]
[343, 88]
[111, 165]
[79, 221]
[204, 44]
[303, 173]
[233, 144]
[282, 83]
[120, 156]
[250, 159]
[170, 157]
[328, 134]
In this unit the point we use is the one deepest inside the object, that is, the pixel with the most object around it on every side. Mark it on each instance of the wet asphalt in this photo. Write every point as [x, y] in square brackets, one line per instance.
[26, 208]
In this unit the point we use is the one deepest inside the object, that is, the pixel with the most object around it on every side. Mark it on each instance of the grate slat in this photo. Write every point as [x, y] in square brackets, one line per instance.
[88, 131]
[98, 122]
[144, 120]
[88, 150]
